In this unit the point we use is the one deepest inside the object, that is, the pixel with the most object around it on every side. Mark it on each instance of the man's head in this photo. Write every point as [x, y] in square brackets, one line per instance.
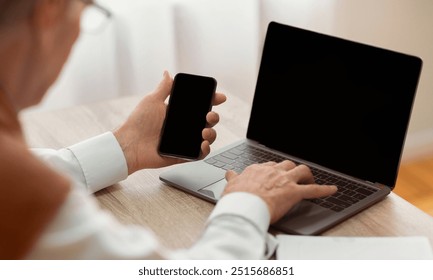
[37, 37]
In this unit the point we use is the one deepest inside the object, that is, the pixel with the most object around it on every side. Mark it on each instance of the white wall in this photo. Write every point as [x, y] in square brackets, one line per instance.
[224, 39]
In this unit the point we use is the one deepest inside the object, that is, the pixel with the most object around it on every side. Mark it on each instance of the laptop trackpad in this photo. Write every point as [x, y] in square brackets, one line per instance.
[215, 190]
[193, 175]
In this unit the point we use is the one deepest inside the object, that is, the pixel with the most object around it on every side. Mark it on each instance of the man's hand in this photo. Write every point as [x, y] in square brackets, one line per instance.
[281, 185]
[139, 135]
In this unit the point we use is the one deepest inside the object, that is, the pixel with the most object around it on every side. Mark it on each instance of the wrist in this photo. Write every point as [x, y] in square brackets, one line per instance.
[126, 147]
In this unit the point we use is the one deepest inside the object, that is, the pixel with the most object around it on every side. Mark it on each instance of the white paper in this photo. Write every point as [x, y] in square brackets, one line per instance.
[294, 247]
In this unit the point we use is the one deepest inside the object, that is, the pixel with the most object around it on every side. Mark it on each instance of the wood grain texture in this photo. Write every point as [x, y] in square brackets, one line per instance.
[178, 218]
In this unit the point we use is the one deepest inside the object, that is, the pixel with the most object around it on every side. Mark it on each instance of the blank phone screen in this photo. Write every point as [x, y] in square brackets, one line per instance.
[189, 103]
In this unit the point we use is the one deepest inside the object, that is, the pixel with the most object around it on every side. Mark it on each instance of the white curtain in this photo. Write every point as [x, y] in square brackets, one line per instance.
[224, 39]
[145, 37]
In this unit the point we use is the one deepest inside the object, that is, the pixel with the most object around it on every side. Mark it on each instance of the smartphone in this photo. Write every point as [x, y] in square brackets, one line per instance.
[190, 101]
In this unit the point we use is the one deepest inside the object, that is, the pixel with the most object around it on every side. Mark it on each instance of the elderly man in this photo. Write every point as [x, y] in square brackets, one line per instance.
[45, 209]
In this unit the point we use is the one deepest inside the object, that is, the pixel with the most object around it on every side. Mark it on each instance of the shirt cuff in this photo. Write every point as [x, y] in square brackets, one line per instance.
[102, 160]
[246, 205]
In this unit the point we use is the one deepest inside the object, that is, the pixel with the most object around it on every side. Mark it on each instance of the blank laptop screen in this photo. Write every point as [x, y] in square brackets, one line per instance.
[334, 102]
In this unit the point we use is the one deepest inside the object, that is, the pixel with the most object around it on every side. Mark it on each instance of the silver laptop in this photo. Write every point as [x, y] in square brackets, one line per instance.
[338, 106]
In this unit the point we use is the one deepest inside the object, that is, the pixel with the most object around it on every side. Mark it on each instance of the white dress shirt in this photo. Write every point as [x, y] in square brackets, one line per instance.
[81, 230]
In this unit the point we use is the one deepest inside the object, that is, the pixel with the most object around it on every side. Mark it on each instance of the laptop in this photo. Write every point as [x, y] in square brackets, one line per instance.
[339, 106]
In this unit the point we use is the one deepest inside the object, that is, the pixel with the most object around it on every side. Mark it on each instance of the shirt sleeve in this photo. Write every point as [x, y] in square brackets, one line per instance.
[236, 229]
[96, 163]
[81, 230]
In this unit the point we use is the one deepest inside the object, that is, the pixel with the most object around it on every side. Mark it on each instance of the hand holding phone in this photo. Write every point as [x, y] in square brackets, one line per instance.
[190, 101]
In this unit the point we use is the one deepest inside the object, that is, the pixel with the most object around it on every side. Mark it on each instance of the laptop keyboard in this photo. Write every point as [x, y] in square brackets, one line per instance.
[243, 155]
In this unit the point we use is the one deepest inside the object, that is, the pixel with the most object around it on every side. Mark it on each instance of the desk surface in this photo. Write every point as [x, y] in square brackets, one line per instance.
[177, 218]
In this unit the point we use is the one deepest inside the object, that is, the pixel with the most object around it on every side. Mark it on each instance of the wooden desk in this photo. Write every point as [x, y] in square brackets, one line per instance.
[177, 218]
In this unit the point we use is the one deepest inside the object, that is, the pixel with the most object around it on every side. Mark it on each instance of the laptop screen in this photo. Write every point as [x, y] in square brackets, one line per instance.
[334, 102]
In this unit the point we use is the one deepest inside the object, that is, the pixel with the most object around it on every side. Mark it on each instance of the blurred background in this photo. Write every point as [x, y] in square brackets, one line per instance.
[224, 39]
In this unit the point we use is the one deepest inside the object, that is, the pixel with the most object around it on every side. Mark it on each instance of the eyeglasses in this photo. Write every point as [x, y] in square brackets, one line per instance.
[94, 17]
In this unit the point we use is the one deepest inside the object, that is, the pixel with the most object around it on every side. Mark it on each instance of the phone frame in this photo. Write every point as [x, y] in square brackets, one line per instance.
[173, 90]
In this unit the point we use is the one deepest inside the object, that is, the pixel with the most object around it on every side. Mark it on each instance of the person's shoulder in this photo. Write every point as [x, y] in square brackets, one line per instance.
[31, 195]
[19, 165]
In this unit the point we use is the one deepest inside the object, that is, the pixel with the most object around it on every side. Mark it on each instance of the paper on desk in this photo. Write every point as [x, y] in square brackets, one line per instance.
[294, 247]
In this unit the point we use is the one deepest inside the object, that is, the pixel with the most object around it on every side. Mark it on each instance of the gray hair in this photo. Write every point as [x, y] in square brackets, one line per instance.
[12, 11]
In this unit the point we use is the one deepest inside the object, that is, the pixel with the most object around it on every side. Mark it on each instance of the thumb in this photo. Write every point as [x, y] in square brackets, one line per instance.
[230, 174]
[164, 88]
